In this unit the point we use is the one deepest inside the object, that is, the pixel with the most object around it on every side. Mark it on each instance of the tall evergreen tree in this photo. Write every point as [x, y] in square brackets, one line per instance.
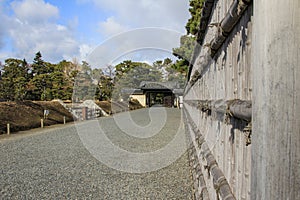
[38, 66]
[14, 80]
[193, 23]
[84, 87]
[188, 41]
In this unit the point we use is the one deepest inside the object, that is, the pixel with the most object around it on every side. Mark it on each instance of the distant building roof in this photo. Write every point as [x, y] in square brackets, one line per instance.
[147, 85]
[159, 85]
[131, 91]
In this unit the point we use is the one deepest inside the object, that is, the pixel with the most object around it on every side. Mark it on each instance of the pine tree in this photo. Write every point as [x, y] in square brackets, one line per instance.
[14, 80]
[188, 41]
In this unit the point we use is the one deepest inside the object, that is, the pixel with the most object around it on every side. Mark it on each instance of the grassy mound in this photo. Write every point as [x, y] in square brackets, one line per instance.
[134, 104]
[105, 105]
[27, 115]
[111, 107]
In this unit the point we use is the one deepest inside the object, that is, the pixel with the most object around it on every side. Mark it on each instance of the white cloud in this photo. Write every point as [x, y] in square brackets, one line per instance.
[34, 11]
[85, 50]
[147, 13]
[139, 44]
[32, 28]
[167, 16]
[3, 25]
[54, 41]
[111, 27]
[3, 56]
[2, 34]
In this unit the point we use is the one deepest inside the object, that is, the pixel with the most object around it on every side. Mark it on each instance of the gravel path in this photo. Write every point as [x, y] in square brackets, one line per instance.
[55, 164]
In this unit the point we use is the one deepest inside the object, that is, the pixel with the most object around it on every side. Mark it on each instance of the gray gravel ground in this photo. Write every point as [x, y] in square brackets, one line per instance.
[54, 164]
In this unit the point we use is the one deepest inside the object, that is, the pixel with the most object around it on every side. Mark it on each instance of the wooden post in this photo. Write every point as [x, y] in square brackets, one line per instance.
[276, 100]
[42, 123]
[8, 129]
[84, 113]
[64, 119]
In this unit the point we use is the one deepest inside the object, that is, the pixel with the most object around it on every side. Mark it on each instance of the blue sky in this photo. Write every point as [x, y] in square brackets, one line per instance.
[74, 29]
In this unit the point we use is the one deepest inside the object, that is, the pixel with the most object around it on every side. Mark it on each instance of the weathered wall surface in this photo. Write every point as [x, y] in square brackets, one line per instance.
[276, 103]
[220, 151]
[245, 81]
